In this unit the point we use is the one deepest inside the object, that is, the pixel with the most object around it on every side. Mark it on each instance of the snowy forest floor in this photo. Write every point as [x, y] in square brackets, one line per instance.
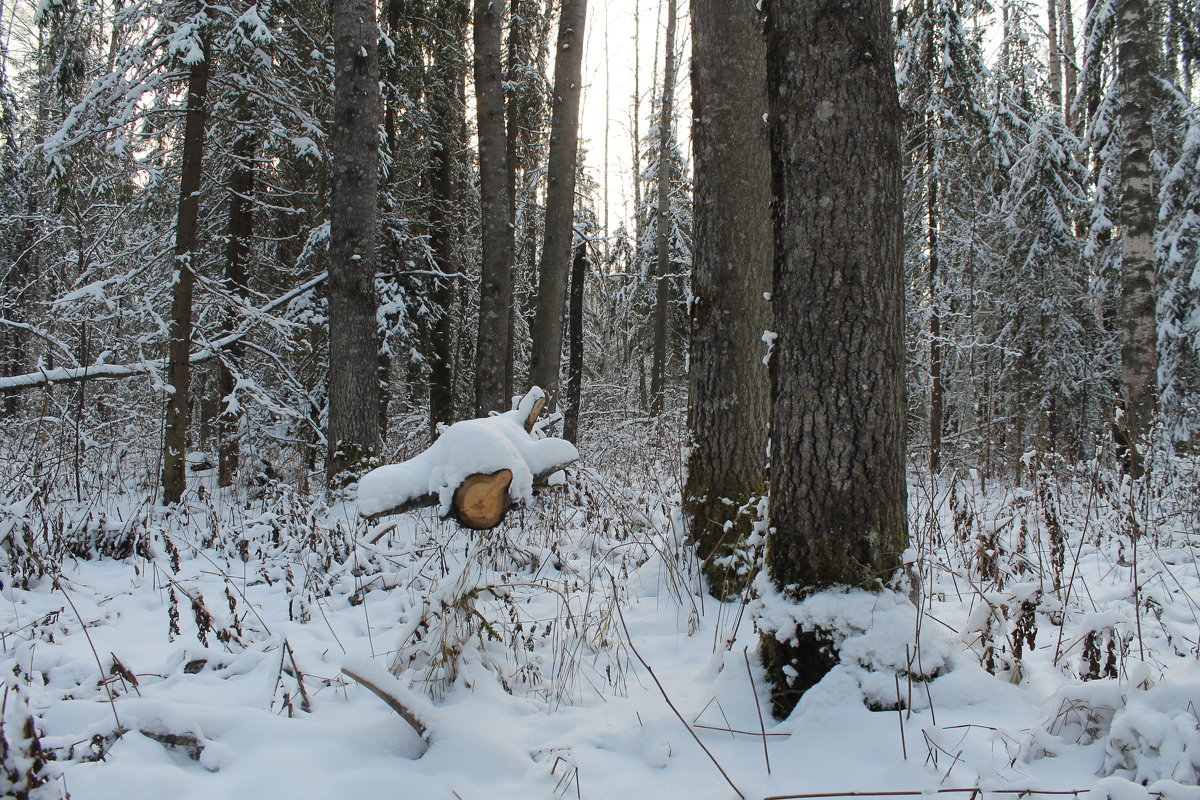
[197, 654]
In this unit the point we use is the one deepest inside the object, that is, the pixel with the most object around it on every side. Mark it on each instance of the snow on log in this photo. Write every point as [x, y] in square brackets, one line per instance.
[475, 471]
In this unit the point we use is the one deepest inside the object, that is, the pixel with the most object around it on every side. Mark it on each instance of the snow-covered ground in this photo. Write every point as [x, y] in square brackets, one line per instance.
[201, 656]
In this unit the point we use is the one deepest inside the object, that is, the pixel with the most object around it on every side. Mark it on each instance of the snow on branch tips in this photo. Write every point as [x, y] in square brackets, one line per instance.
[475, 471]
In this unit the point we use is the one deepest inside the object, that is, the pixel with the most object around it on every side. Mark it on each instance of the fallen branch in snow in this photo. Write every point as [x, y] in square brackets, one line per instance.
[43, 377]
[475, 471]
[384, 686]
[187, 742]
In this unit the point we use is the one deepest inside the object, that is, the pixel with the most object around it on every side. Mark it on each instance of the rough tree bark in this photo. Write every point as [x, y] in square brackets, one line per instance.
[174, 476]
[937, 386]
[574, 391]
[1070, 68]
[1055, 54]
[495, 279]
[662, 241]
[837, 382]
[1138, 89]
[447, 110]
[729, 405]
[237, 255]
[353, 302]
[547, 329]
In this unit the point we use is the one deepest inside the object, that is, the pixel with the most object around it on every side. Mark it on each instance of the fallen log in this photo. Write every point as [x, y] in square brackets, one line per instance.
[475, 472]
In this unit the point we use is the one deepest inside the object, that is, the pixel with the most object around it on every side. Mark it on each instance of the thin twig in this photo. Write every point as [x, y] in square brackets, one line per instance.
[305, 702]
[663, 692]
[108, 689]
[394, 702]
[757, 707]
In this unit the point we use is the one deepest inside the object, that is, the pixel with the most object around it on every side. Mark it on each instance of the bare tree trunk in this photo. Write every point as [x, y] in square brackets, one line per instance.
[174, 477]
[729, 398]
[1055, 55]
[448, 111]
[1070, 67]
[662, 240]
[495, 279]
[837, 510]
[237, 255]
[937, 389]
[1137, 50]
[560, 199]
[635, 120]
[575, 342]
[353, 302]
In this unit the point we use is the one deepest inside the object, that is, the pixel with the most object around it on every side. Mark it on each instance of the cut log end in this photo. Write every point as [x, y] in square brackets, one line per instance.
[481, 501]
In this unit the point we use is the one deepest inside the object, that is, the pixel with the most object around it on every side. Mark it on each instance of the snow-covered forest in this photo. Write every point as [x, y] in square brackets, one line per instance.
[363, 435]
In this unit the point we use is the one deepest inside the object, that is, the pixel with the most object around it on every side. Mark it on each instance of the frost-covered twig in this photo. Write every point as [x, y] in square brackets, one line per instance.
[667, 698]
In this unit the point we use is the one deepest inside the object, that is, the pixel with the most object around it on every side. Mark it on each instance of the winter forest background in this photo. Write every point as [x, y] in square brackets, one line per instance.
[250, 251]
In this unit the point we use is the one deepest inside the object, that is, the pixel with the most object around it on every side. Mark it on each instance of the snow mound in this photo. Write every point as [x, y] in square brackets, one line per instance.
[1156, 736]
[466, 448]
[876, 634]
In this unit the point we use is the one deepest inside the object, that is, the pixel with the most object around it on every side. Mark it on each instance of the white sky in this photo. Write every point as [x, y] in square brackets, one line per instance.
[608, 78]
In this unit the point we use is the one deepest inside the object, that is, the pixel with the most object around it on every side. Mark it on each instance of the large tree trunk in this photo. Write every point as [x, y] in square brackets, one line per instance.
[662, 234]
[353, 334]
[547, 333]
[174, 477]
[837, 506]
[1137, 51]
[729, 404]
[237, 256]
[495, 279]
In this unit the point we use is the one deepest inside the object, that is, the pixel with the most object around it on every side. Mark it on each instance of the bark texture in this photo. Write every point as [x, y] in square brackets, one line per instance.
[447, 110]
[662, 234]
[729, 405]
[1070, 67]
[837, 437]
[237, 255]
[579, 262]
[1138, 87]
[174, 477]
[547, 329]
[495, 278]
[353, 302]
[1055, 54]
